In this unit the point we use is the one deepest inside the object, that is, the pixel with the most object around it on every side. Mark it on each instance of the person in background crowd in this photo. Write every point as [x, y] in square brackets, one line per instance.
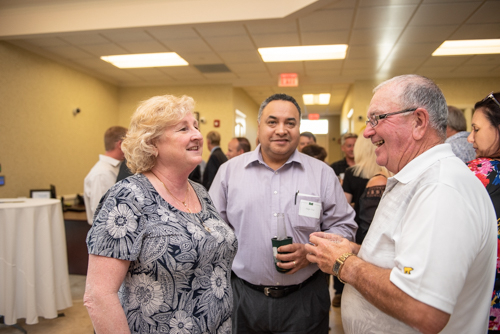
[160, 255]
[315, 151]
[217, 158]
[306, 138]
[103, 175]
[348, 140]
[456, 135]
[355, 180]
[427, 263]
[249, 192]
[237, 146]
[485, 138]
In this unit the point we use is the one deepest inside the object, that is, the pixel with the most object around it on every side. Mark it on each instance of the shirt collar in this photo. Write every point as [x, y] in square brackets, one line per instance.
[112, 161]
[461, 134]
[418, 165]
[213, 149]
[256, 157]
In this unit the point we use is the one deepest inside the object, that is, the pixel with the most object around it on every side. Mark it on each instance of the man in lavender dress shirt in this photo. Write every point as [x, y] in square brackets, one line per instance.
[249, 191]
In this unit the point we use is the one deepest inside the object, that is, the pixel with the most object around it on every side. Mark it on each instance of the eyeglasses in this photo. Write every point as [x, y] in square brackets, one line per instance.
[491, 96]
[373, 119]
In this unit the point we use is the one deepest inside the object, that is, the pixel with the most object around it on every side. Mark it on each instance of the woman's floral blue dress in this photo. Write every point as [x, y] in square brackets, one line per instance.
[487, 170]
[178, 280]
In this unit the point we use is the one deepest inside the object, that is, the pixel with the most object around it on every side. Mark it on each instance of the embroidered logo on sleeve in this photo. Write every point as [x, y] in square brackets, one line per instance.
[408, 270]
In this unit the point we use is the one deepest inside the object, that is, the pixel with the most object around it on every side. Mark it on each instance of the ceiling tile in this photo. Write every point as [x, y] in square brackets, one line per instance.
[147, 73]
[342, 4]
[254, 75]
[181, 72]
[442, 14]
[196, 45]
[144, 47]
[85, 39]
[321, 65]
[286, 67]
[422, 49]
[94, 64]
[172, 32]
[426, 34]
[378, 52]
[484, 13]
[373, 3]
[46, 42]
[272, 26]
[248, 67]
[477, 31]
[383, 16]
[104, 49]
[200, 58]
[274, 40]
[127, 35]
[230, 43]
[68, 52]
[375, 36]
[445, 61]
[325, 37]
[370, 63]
[238, 57]
[493, 60]
[221, 29]
[327, 20]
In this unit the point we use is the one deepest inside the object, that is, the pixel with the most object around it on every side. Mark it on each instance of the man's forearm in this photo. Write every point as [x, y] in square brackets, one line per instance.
[374, 284]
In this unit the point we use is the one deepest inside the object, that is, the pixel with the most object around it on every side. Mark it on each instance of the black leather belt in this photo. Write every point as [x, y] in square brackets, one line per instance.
[279, 291]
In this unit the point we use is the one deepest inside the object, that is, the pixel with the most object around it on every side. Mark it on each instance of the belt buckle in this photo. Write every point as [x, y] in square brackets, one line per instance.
[267, 291]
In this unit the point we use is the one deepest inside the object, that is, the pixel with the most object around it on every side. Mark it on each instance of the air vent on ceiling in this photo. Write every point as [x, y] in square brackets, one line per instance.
[212, 68]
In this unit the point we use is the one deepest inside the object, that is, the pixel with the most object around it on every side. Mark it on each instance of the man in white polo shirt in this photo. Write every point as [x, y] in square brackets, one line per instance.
[428, 261]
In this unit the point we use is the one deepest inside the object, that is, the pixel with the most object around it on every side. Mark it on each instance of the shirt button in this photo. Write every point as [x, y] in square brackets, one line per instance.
[275, 214]
[276, 173]
[275, 192]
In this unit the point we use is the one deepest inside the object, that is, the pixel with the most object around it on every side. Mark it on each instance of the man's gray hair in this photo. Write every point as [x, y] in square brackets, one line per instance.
[456, 119]
[278, 97]
[417, 91]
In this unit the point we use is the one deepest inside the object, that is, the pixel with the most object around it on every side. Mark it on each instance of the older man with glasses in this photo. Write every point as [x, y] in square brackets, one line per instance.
[428, 261]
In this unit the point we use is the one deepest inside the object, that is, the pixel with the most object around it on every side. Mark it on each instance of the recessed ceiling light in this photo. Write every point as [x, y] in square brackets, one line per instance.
[146, 60]
[468, 47]
[303, 53]
[316, 99]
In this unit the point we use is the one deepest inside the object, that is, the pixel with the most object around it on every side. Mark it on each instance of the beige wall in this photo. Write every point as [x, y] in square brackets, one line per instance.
[42, 143]
[247, 105]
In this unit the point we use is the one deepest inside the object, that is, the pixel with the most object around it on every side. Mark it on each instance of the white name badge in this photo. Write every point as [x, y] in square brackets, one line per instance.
[309, 209]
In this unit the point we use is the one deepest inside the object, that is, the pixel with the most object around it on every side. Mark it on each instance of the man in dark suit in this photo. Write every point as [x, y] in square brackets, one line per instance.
[217, 158]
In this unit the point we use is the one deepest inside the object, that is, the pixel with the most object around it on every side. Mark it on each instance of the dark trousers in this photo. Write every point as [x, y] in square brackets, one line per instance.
[337, 285]
[303, 311]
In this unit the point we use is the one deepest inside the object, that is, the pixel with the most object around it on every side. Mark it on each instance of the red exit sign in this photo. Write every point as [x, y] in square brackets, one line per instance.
[288, 80]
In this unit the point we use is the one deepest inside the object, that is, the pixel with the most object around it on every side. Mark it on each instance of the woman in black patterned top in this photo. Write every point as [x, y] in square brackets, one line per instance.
[160, 255]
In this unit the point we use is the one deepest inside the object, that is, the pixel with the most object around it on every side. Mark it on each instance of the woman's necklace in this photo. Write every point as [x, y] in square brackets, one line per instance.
[178, 200]
[183, 202]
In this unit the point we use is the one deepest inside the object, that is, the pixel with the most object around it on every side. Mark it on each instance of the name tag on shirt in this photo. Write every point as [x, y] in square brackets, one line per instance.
[309, 209]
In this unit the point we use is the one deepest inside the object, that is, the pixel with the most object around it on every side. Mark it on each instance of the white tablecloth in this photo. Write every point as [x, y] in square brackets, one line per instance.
[34, 277]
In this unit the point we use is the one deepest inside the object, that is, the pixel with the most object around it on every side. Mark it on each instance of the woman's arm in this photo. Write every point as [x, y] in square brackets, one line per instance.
[104, 277]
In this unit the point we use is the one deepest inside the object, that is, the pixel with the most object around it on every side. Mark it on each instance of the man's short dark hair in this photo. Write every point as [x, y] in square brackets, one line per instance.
[456, 119]
[315, 151]
[113, 135]
[243, 144]
[278, 97]
[309, 135]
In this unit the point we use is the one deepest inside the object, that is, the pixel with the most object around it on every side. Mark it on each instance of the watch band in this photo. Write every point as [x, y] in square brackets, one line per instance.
[339, 264]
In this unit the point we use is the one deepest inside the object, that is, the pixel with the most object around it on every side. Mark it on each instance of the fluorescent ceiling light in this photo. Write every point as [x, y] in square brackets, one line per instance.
[318, 127]
[468, 47]
[300, 53]
[316, 99]
[146, 60]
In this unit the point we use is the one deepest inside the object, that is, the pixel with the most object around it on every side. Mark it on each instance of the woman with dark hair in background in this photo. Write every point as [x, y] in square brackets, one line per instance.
[485, 138]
